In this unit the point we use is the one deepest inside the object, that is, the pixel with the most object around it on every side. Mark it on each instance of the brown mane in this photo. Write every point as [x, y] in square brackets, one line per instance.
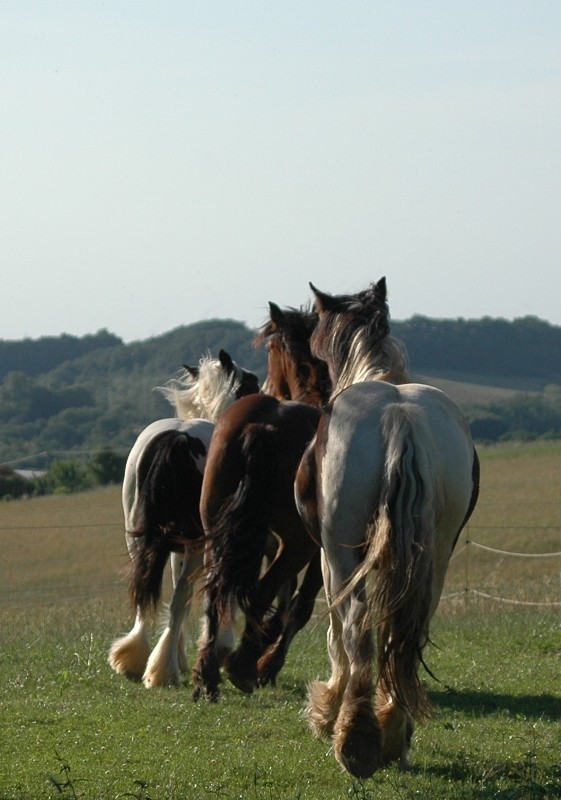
[293, 372]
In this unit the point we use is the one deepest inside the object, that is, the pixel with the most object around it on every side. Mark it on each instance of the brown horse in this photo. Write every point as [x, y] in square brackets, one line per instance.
[387, 485]
[247, 495]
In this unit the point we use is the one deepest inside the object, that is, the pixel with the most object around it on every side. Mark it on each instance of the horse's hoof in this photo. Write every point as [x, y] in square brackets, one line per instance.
[244, 684]
[359, 757]
[267, 669]
[241, 673]
[266, 676]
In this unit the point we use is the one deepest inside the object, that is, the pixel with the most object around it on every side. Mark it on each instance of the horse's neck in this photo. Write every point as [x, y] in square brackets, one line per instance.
[389, 364]
[314, 390]
[305, 390]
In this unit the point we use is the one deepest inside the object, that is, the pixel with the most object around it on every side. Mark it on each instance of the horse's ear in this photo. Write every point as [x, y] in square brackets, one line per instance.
[193, 371]
[226, 361]
[276, 314]
[375, 296]
[381, 290]
[324, 302]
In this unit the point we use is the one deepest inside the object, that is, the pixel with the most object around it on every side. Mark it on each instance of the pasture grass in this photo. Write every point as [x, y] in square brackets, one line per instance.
[73, 729]
[70, 728]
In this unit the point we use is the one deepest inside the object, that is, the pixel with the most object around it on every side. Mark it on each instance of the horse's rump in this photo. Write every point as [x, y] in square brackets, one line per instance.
[166, 508]
[249, 475]
[238, 533]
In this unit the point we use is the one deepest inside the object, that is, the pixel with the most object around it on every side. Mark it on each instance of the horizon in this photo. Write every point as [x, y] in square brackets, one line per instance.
[254, 328]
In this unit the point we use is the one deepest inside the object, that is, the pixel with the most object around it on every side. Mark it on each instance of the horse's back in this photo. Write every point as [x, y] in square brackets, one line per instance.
[367, 419]
[199, 429]
[365, 408]
[289, 424]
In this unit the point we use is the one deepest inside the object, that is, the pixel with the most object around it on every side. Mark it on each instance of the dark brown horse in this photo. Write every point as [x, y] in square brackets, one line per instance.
[248, 495]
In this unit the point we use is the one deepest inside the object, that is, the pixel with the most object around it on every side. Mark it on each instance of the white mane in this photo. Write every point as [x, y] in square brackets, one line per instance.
[388, 363]
[205, 396]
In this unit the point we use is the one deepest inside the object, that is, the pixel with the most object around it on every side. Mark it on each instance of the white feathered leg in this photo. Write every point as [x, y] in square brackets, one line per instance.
[165, 665]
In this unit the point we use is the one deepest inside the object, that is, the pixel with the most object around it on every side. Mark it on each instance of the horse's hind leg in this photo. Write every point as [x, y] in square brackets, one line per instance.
[324, 698]
[176, 562]
[164, 666]
[241, 665]
[129, 654]
[297, 616]
[206, 672]
[357, 735]
[274, 624]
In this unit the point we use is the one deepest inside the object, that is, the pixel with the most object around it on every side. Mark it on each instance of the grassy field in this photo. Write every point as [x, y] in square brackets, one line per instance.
[70, 728]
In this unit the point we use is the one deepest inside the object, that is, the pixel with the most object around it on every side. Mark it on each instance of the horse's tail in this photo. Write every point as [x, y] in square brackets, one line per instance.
[401, 550]
[164, 517]
[239, 533]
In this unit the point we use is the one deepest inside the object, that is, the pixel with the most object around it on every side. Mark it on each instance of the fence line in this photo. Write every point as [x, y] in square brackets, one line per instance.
[59, 527]
[117, 523]
[511, 552]
[485, 595]
[514, 602]
[31, 597]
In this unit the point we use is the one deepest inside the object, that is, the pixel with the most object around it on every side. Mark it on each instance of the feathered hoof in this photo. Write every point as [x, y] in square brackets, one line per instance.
[397, 727]
[206, 677]
[159, 678]
[241, 682]
[211, 695]
[323, 708]
[242, 675]
[129, 655]
[358, 741]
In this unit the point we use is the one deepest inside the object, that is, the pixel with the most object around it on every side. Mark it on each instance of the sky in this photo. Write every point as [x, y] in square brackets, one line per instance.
[168, 161]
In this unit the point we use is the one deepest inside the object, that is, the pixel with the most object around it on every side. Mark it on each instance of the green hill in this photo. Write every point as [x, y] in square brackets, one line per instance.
[78, 394]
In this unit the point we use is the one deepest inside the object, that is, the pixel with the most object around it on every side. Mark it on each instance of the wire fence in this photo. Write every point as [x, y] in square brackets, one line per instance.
[465, 584]
[472, 580]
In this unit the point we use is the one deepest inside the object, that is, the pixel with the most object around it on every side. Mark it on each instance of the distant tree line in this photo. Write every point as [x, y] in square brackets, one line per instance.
[37, 356]
[84, 394]
[527, 347]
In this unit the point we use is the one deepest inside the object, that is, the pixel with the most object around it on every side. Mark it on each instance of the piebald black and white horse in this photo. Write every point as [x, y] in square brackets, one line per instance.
[386, 485]
[161, 492]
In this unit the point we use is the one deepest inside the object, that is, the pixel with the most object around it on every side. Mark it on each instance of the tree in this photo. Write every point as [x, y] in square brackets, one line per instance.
[64, 477]
[107, 467]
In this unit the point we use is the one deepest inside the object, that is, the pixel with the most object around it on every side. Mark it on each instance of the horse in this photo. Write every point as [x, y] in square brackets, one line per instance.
[247, 495]
[386, 485]
[160, 496]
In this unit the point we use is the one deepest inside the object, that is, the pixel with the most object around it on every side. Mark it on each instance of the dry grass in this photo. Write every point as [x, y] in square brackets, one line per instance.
[62, 546]
[73, 545]
[519, 511]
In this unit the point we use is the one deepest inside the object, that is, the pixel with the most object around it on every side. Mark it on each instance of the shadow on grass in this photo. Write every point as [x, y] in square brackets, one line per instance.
[535, 706]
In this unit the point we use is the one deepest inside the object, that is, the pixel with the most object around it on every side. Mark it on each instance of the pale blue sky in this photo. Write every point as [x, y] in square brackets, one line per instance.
[165, 162]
